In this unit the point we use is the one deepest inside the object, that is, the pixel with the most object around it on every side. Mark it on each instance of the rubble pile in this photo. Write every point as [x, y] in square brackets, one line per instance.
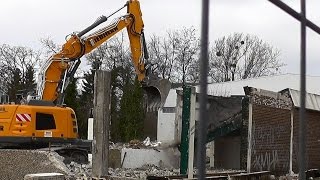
[83, 171]
[18, 163]
[80, 171]
[142, 173]
[15, 164]
[137, 144]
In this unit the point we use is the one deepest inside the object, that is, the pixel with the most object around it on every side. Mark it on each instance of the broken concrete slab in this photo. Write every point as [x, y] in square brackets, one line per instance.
[137, 158]
[45, 176]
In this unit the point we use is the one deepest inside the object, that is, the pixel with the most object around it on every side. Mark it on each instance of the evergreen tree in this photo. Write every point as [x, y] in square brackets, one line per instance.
[86, 99]
[131, 113]
[115, 87]
[15, 86]
[29, 84]
[72, 101]
[88, 88]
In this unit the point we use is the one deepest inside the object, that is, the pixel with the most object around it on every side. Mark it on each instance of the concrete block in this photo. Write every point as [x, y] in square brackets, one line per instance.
[114, 158]
[45, 176]
[137, 158]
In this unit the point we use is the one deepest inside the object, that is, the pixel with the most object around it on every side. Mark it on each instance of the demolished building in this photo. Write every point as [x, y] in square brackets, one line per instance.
[253, 128]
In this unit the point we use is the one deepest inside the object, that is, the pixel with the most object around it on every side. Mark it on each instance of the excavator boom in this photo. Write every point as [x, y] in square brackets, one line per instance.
[48, 123]
[59, 69]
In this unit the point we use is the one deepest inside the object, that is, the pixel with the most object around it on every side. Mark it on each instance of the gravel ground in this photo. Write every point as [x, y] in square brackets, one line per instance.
[15, 164]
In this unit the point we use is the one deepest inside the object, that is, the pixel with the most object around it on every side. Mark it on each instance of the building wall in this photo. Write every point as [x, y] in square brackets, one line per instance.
[227, 152]
[271, 132]
[273, 121]
[244, 134]
[268, 124]
[313, 140]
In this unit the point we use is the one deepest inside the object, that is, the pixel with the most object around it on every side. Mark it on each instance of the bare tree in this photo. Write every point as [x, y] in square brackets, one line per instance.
[187, 54]
[162, 53]
[112, 54]
[50, 47]
[241, 56]
[175, 56]
[14, 59]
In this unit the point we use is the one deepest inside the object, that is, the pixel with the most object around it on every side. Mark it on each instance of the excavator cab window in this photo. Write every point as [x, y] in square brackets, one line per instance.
[45, 121]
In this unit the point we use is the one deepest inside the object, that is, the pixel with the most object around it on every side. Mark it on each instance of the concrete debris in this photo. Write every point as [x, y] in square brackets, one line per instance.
[147, 143]
[136, 144]
[15, 164]
[142, 173]
[83, 171]
[289, 177]
[80, 171]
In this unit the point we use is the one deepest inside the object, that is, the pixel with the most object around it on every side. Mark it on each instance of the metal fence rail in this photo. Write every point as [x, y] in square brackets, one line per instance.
[203, 82]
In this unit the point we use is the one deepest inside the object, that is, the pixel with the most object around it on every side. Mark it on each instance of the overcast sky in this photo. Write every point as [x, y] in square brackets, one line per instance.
[25, 22]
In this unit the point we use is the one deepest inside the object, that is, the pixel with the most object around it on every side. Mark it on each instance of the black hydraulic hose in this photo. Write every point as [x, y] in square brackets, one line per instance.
[98, 22]
[95, 24]
[145, 50]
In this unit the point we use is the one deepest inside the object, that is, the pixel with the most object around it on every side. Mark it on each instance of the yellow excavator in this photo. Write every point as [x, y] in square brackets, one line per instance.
[44, 119]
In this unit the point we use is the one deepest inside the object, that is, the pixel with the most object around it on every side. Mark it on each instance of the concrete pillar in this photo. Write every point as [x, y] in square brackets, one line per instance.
[192, 129]
[291, 143]
[178, 117]
[249, 137]
[212, 154]
[100, 145]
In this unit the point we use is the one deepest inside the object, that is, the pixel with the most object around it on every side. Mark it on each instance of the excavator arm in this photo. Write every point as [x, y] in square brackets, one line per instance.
[59, 69]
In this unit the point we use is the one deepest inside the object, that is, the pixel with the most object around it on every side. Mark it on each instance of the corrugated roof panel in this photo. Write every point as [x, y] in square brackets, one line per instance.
[312, 100]
[273, 83]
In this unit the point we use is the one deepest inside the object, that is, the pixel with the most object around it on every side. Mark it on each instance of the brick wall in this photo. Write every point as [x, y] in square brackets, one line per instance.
[270, 139]
[271, 133]
[313, 140]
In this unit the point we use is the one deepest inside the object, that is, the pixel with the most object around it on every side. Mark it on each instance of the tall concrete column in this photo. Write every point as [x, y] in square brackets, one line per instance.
[291, 141]
[192, 130]
[101, 114]
[249, 137]
[211, 154]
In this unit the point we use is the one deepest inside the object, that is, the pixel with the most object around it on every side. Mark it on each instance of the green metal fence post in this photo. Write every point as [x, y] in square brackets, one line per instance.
[185, 130]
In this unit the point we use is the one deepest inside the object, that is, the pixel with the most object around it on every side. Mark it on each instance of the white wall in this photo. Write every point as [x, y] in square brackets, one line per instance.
[166, 127]
[166, 120]
[136, 158]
